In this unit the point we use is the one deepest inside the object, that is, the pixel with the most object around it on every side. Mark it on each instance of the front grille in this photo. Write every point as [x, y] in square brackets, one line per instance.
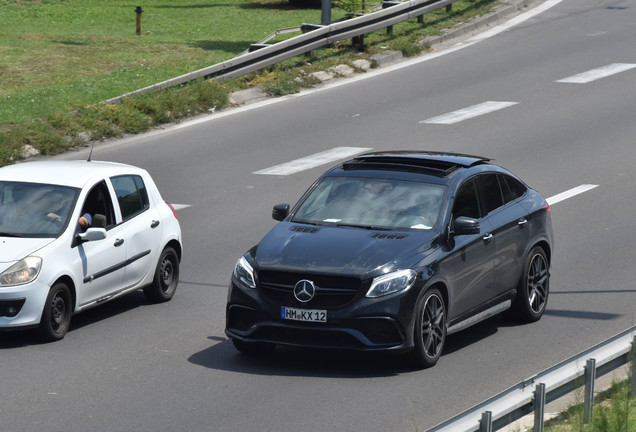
[331, 291]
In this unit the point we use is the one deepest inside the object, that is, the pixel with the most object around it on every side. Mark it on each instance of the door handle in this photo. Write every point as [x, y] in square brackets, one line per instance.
[522, 223]
[118, 242]
[487, 238]
[155, 224]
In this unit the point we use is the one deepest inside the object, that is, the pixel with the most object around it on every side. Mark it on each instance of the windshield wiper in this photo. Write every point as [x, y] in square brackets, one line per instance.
[6, 234]
[367, 227]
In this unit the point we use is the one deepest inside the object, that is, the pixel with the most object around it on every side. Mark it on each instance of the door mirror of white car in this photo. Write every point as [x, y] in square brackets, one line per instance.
[92, 234]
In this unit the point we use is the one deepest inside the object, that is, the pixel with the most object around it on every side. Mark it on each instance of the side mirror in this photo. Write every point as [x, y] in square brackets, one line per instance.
[92, 234]
[280, 211]
[465, 225]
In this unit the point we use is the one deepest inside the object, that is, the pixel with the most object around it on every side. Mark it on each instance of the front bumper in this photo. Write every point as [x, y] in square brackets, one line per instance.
[21, 306]
[378, 324]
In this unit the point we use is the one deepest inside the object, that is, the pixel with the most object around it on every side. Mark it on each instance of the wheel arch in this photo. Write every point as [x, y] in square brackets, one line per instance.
[68, 281]
[543, 244]
[442, 288]
[176, 245]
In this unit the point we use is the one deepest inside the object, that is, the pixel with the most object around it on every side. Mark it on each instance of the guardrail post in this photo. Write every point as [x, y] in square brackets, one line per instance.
[590, 377]
[633, 393]
[539, 407]
[449, 7]
[485, 425]
[358, 42]
[325, 15]
[386, 4]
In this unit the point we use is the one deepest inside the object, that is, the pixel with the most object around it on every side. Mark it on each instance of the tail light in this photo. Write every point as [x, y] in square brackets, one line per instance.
[174, 212]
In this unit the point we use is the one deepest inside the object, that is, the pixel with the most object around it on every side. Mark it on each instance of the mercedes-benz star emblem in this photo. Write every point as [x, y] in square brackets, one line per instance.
[304, 290]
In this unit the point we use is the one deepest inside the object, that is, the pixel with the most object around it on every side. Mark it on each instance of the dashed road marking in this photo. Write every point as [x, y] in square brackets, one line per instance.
[180, 206]
[470, 112]
[595, 74]
[312, 161]
[570, 193]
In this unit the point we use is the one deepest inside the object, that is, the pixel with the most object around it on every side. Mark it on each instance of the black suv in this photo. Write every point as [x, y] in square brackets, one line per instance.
[394, 251]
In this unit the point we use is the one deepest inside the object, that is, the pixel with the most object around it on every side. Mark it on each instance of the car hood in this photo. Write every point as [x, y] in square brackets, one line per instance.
[13, 249]
[339, 250]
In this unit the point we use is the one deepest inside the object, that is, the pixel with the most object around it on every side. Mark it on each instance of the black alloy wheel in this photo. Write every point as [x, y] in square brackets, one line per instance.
[534, 288]
[430, 329]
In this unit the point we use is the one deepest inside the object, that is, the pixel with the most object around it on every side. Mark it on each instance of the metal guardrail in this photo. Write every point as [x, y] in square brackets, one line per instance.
[532, 394]
[319, 37]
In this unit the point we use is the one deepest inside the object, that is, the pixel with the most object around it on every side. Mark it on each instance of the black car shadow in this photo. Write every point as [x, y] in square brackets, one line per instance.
[289, 361]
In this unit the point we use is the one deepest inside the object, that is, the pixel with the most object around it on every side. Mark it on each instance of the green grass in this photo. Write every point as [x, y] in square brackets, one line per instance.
[614, 411]
[59, 59]
[56, 53]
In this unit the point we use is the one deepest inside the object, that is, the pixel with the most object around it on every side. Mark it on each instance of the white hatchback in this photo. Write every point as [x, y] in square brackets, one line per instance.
[75, 234]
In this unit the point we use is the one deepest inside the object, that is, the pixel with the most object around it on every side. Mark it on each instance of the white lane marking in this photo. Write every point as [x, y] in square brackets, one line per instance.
[570, 193]
[595, 74]
[470, 112]
[180, 206]
[312, 161]
[374, 72]
[513, 22]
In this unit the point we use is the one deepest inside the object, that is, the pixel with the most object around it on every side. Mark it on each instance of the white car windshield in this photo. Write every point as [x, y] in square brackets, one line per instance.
[372, 203]
[34, 209]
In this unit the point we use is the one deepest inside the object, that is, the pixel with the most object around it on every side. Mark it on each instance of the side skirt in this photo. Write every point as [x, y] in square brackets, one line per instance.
[494, 310]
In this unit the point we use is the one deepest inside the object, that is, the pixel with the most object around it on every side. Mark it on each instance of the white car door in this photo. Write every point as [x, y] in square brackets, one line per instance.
[142, 227]
[101, 262]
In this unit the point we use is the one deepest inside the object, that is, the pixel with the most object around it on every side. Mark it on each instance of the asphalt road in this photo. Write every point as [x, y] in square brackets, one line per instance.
[133, 366]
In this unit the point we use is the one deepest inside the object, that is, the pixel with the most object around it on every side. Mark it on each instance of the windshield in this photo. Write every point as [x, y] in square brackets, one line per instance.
[33, 209]
[372, 203]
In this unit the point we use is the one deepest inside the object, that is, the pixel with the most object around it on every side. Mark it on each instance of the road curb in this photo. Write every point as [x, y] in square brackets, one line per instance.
[502, 12]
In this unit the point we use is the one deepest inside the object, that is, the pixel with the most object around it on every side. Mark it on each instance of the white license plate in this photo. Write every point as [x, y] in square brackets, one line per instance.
[310, 315]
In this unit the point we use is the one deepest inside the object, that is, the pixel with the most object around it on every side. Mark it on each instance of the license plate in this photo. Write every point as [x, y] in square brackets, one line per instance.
[309, 315]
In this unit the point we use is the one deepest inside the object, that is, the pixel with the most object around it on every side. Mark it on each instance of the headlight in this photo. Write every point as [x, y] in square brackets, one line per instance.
[244, 272]
[390, 283]
[21, 272]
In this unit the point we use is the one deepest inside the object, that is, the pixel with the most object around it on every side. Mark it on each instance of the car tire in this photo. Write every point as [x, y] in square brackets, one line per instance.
[253, 348]
[166, 277]
[430, 329]
[57, 312]
[533, 289]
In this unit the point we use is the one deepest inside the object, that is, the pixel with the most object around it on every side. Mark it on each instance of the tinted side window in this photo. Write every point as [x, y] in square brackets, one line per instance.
[131, 195]
[515, 187]
[489, 191]
[466, 202]
[143, 194]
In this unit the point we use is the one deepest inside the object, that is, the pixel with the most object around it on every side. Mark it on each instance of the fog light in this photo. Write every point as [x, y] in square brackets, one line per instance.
[11, 308]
